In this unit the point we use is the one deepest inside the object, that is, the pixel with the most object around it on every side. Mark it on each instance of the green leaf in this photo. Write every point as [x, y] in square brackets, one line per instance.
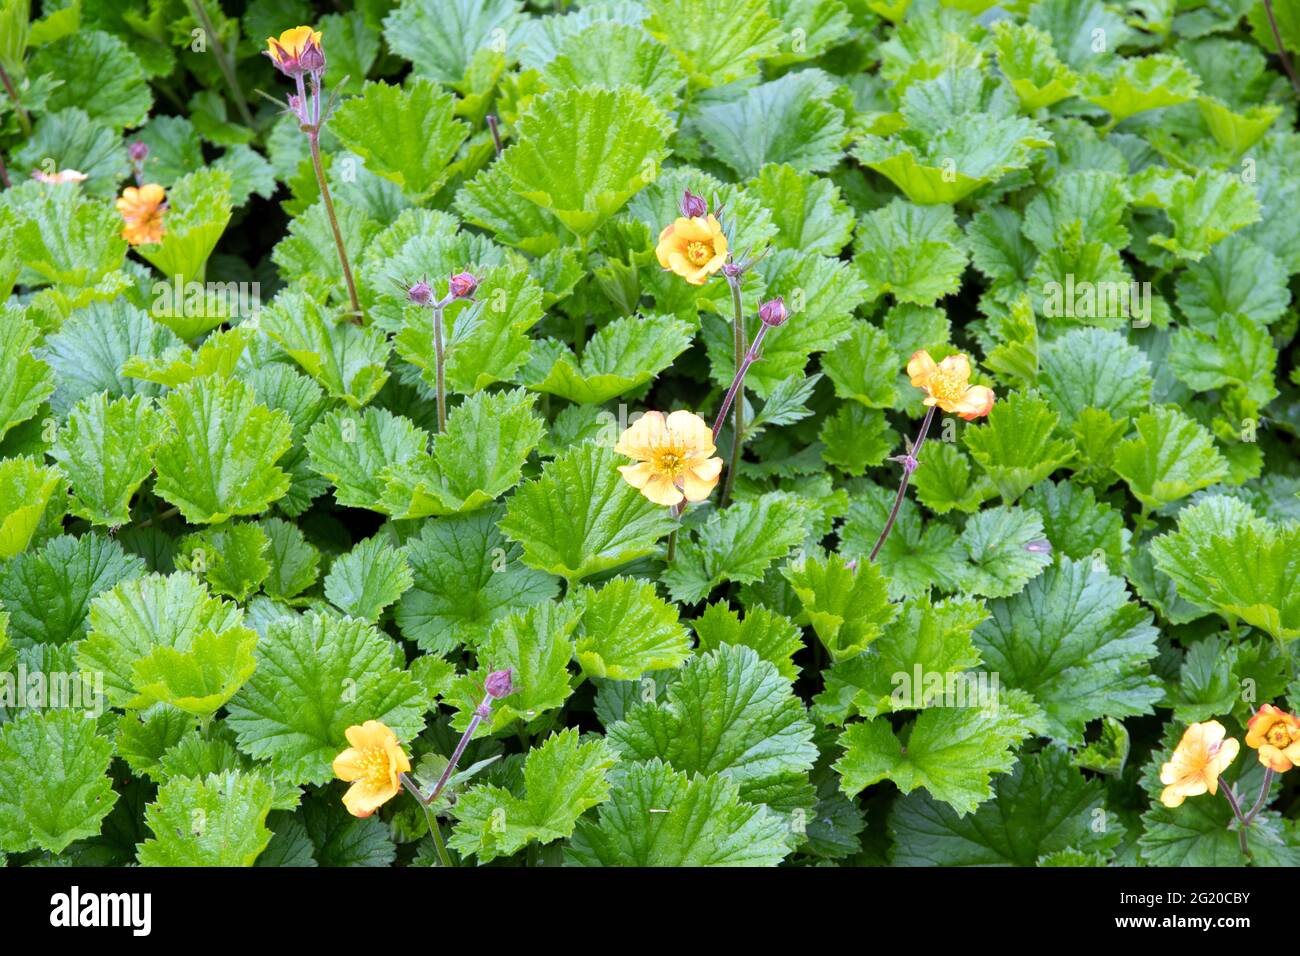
[145, 629]
[347, 360]
[231, 558]
[28, 381]
[1077, 525]
[562, 779]
[626, 629]
[726, 712]
[1236, 277]
[1028, 59]
[790, 120]
[738, 544]
[465, 576]
[611, 55]
[580, 517]
[774, 637]
[1043, 806]
[1237, 352]
[294, 562]
[915, 252]
[440, 37]
[27, 491]
[1095, 200]
[622, 356]
[316, 676]
[216, 821]
[1225, 558]
[1138, 84]
[713, 56]
[105, 448]
[368, 579]
[1016, 447]
[356, 452]
[99, 74]
[864, 367]
[1093, 368]
[581, 154]
[1204, 210]
[856, 438]
[198, 209]
[922, 651]
[406, 135]
[69, 139]
[1168, 458]
[219, 456]
[47, 593]
[54, 783]
[951, 752]
[946, 482]
[1075, 642]
[1004, 550]
[219, 356]
[848, 606]
[809, 213]
[658, 817]
[478, 458]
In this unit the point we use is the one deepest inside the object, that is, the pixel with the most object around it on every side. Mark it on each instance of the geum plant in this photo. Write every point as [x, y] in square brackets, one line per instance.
[674, 433]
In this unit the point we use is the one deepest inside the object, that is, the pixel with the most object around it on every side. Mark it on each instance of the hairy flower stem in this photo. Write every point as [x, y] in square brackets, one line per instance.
[223, 62]
[1281, 47]
[909, 462]
[496, 133]
[439, 364]
[434, 829]
[1236, 812]
[24, 118]
[672, 544]
[740, 350]
[312, 130]
[1263, 796]
[484, 709]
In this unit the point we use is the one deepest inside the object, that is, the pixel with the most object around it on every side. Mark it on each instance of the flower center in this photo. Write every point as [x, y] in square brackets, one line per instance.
[1279, 736]
[376, 766]
[670, 463]
[946, 386]
[698, 253]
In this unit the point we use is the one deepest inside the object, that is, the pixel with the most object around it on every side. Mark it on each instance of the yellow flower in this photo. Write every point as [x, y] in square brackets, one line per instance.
[1198, 760]
[142, 210]
[672, 457]
[1276, 735]
[693, 248]
[287, 51]
[371, 765]
[947, 384]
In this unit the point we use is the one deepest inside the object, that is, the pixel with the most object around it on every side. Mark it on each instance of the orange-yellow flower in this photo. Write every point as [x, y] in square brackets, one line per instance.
[673, 457]
[1199, 758]
[947, 384]
[693, 248]
[287, 51]
[371, 765]
[1276, 735]
[142, 210]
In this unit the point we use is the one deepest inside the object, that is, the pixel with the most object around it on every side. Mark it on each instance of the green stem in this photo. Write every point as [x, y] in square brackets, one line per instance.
[439, 362]
[739, 346]
[313, 137]
[672, 547]
[223, 62]
[24, 118]
[1281, 47]
[434, 829]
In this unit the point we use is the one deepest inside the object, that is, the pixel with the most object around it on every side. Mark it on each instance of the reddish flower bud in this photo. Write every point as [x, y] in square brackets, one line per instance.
[499, 684]
[138, 151]
[772, 312]
[462, 285]
[420, 293]
[693, 206]
[312, 58]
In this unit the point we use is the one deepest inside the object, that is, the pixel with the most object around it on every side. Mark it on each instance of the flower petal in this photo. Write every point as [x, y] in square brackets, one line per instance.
[920, 367]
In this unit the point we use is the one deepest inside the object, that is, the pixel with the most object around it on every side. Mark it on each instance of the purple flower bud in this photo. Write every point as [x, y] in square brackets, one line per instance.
[462, 285]
[692, 205]
[772, 312]
[312, 58]
[138, 151]
[420, 293]
[498, 684]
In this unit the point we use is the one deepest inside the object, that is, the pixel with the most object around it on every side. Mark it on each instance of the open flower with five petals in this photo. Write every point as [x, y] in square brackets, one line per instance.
[674, 457]
[947, 384]
[372, 765]
[693, 248]
[1276, 735]
[1199, 758]
[142, 211]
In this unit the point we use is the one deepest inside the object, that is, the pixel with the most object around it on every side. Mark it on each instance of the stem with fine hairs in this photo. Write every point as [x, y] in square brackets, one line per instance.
[909, 465]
